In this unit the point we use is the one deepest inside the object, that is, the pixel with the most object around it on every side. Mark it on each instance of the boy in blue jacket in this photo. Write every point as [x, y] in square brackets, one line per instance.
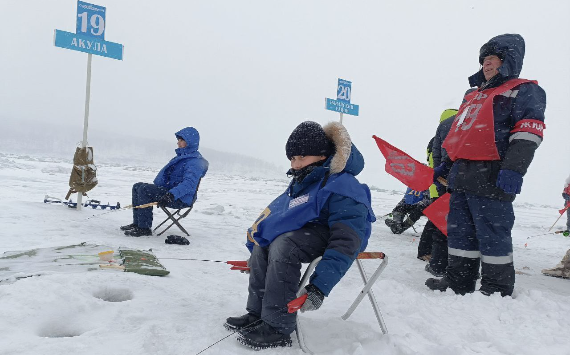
[325, 212]
[175, 185]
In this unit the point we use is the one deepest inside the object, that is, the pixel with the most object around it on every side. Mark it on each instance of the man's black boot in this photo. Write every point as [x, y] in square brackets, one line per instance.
[264, 337]
[128, 227]
[429, 269]
[437, 284]
[247, 321]
[138, 232]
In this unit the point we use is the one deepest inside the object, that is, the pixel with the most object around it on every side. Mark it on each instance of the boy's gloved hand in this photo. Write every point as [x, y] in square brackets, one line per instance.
[165, 200]
[246, 271]
[510, 181]
[314, 300]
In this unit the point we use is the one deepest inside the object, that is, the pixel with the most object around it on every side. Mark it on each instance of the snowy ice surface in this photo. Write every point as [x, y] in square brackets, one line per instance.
[106, 311]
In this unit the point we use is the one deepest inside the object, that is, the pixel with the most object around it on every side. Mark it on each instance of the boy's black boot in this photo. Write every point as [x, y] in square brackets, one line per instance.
[264, 337]
[246, 321]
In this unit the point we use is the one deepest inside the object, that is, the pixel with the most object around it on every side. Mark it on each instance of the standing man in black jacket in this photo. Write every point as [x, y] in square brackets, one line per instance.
[433, 241]
[490, 145]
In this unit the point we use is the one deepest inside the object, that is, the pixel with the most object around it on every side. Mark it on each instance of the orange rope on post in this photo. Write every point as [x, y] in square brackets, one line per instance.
[371, 255]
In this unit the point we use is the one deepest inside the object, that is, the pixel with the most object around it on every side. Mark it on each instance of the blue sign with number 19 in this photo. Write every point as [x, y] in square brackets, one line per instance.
[90, 20]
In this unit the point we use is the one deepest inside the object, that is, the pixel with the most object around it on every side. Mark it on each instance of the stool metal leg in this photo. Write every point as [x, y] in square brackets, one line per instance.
[166, 220]
[302, 283]
[172, 217]
[368, 291]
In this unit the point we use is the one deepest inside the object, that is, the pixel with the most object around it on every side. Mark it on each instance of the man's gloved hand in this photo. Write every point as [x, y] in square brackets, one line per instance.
[314, 300]
[165, 200]
[441, 170]
[510, 181]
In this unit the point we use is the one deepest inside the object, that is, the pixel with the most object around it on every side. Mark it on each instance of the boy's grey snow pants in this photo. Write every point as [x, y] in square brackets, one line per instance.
[275, 272]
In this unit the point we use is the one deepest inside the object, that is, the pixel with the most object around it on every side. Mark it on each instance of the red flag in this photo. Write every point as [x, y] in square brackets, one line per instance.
[400, 165]
[437, 212]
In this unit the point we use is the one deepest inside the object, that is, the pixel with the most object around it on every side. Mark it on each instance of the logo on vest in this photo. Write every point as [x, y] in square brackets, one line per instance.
[470, 114]
[298, 201]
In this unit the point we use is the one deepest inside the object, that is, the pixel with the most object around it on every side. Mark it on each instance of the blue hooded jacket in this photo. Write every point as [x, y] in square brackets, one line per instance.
[183, 172]
[525, 102]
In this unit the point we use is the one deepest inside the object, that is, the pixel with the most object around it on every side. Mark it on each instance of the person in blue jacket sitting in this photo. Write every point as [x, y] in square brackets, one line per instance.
[175, 185]
[324, 212]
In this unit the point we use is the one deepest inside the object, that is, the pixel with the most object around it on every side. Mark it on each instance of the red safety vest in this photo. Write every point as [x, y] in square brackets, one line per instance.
[472, 135]
[567, 190]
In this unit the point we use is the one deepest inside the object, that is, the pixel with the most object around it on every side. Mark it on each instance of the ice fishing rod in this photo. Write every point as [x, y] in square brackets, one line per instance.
[557, 219]
[564, 233]
[125, 208]
[292, 307]
[245, 330]
[236, 264]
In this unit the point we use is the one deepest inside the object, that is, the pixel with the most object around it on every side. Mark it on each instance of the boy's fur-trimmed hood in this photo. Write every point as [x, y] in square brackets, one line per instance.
[346, 158]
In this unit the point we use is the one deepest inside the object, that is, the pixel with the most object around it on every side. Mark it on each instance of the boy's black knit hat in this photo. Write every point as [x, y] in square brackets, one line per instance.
[308, 138]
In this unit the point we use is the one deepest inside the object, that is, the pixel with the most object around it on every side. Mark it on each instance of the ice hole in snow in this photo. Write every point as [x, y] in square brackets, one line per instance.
[114, 294]
[60, 329]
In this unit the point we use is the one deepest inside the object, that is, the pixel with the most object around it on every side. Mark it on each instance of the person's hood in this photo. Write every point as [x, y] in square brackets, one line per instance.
[450, 112]
[510, 48]
[192, 138]
[346, 158]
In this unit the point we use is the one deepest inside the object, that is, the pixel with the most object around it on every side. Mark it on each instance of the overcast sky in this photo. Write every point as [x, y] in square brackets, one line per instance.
[245, 73]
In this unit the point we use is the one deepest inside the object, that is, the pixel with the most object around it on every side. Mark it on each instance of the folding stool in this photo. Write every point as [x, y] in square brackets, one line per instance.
[174, 218]
[367, 290]
[177, 216]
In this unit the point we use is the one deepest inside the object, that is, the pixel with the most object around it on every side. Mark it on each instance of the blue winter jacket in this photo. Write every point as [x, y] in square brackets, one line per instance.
[348, 221]
[516, 150]
[183, 172]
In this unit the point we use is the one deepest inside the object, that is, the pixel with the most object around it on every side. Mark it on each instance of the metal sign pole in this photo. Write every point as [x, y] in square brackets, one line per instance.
[86, 118]
[341, 118]
[89, 37]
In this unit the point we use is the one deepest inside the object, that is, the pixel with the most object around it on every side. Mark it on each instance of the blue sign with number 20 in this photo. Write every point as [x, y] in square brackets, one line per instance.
[90, 20]
[343, 90]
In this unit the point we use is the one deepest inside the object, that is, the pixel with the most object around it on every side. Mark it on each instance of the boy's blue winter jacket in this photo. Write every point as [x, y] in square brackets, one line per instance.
[346, 212]
[183, 172]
